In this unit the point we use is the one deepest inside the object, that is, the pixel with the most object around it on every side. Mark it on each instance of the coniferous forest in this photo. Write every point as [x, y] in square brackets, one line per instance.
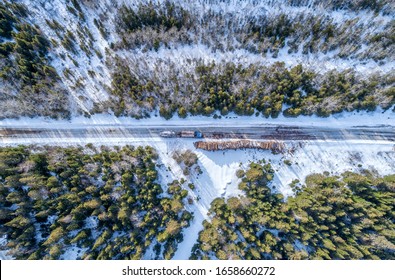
[44, 67]
[332, 217]
[108, 204]
[104, 202]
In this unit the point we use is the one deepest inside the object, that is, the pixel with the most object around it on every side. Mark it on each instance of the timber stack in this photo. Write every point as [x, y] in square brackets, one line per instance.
[274, 146]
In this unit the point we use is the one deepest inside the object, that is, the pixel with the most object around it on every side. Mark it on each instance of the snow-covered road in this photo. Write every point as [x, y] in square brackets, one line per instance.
[126, 134]
[107, 129]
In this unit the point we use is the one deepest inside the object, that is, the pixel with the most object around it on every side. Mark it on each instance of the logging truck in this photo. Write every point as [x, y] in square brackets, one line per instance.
[182, 134]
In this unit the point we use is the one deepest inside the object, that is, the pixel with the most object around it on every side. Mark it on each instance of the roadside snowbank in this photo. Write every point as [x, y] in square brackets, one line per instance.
[345, 119]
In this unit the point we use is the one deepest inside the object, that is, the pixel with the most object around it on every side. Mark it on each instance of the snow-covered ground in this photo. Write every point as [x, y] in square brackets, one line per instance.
[3, 254]
[186, 56]
[84, 87]
[341, 120]
[219, 170]
[73, 253]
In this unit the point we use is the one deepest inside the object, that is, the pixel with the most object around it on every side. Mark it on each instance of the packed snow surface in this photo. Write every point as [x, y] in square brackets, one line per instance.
[341, 120]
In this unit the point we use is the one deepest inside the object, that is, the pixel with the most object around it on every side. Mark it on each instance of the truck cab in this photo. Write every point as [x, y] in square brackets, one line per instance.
[198, 134]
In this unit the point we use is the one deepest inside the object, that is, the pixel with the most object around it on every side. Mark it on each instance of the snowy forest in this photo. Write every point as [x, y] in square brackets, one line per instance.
[325, 219]
[85, 203]
[92, 204]
[200, 130]
[195, 58]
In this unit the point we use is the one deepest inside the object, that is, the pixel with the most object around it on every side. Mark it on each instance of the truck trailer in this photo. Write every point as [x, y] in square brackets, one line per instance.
[182, 134]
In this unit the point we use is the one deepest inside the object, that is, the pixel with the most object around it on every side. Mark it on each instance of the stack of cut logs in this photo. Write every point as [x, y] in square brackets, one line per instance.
[275, 146]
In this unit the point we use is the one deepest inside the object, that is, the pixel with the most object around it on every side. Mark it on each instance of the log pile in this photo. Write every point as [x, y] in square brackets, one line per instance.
[274, 146]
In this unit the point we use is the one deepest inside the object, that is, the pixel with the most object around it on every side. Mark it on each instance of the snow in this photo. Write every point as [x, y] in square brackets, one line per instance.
[335, 157]
[72, 253]
[340, 120]
[314, 157]
[185, 58]
[93, 89]
[52, 219]
[218, 180]
[369, 22]
[190, 237]
[253, 7]
[91, 222]
[3, 254]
